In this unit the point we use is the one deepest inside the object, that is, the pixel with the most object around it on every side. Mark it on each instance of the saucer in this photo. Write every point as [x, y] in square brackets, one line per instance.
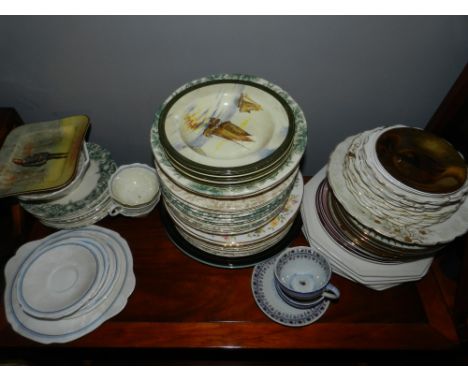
[269, 301]
[56, 281]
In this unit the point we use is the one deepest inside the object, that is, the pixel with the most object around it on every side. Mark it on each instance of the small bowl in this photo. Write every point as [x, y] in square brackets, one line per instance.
[304, 275]
[134, 185]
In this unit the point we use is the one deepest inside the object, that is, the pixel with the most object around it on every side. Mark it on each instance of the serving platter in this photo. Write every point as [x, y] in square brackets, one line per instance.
[41, 156]
[82, 167]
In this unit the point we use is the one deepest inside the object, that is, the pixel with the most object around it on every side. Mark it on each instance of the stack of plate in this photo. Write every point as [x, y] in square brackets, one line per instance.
[87, 200]
[227, 149]
[67, 284]
[390, 199]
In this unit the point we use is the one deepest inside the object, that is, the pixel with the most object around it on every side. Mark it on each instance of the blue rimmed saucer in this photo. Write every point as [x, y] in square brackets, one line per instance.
[274, 307]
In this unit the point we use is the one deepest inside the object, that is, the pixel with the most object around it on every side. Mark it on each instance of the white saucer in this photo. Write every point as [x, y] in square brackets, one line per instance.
[57, 280]
[109, 301]
[268, 300]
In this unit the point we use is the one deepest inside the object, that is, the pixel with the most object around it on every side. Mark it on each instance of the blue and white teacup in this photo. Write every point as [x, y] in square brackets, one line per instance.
[303, 276]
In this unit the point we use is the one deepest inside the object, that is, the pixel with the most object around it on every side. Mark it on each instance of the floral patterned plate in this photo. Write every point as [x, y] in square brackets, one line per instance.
[226, 262]
[265, 231]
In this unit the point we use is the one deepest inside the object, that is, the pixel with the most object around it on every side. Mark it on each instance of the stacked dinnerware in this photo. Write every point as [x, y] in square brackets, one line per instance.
[67, 284]
[85, 201]
[227, 150]
[388, 200]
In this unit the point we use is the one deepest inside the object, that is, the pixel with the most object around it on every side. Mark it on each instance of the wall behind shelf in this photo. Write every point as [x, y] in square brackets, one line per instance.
[349, 74]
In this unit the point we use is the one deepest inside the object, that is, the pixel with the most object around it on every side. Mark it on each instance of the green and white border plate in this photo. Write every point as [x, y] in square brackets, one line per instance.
[240, 190]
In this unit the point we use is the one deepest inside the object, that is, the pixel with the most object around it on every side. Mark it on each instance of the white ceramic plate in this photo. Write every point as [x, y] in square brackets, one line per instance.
[439, 233]
[60, 278]
[65, 330]
[359, 268]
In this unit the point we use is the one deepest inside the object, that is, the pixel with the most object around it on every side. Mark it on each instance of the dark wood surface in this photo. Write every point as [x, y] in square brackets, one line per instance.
[180, 303]
[184, 310]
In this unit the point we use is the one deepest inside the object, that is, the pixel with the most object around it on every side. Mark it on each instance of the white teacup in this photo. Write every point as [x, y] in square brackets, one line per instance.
[134, 190]
[304, 275]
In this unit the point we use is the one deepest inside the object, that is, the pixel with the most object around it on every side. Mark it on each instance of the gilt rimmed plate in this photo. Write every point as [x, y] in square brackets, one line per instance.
[226, 126]
[242, 190]
[347, 262]
[273, 306]
[439, 233]
[421, 160]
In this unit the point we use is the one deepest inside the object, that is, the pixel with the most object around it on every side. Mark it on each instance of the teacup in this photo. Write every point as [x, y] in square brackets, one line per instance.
[304, 275]
[134, 190]
[296, 303]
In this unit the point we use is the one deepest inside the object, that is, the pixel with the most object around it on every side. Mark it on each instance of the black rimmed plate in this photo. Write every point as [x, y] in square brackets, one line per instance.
[227, 126]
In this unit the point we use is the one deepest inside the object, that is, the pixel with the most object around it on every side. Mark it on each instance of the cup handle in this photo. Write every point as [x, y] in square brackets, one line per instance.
[331, 292]
[115, 210]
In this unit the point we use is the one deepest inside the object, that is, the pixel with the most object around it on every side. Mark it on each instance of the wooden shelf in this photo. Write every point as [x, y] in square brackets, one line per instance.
[180, 303]
[183, 311]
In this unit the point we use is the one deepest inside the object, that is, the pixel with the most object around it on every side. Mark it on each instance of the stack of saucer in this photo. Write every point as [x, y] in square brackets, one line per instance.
[388, 201]
[227, 150]
[85, 201]
[67, 284]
